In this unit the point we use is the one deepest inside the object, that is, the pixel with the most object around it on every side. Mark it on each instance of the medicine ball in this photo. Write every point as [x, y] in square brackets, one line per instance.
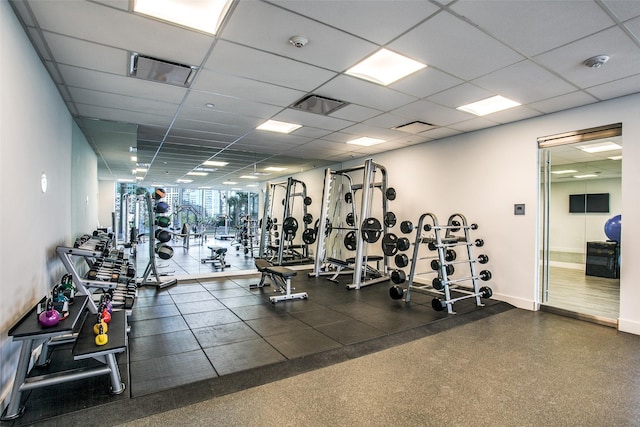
[164, 251]
[163, 221]
[163, 236]
[159, 194]
[161, 207]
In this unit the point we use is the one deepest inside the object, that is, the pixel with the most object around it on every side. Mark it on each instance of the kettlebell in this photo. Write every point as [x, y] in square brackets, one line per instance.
[100, 324]
[101, 338]
[106, 316]
[49, 318]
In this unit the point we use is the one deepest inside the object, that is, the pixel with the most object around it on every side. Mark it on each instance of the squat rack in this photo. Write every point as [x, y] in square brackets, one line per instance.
[286, 250]
[361, 244]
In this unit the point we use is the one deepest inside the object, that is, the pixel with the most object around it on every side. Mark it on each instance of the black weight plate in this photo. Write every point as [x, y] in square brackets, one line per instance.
[390, 219]
[371, 230]
[389, 244]
[350, 240]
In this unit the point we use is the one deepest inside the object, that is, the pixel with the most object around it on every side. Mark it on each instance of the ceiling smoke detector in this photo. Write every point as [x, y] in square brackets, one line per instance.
[298, 41]
[596, 61]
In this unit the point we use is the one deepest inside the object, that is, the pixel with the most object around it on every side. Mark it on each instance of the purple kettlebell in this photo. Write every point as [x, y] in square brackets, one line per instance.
[49, 318]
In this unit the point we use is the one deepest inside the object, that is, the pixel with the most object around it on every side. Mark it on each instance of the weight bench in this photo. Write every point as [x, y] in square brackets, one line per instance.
[350, 263]
[217, 257]
[280, 277]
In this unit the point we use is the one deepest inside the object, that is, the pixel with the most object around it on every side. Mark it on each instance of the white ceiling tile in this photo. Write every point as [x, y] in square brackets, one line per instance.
[92, 56]
[634, 27]
[616, 88]
[266, 67]
[473, 124]
[363, 18]
[538, 83]
[311, 132]
[353, 90]
[267, 27]
[128, 103]
[387, 120]
[434, 114]
[563, 102]
[239, 87]
[304, 118]
[374, 132]
[36, 38]
[197, 99]
[355, 113]
[434, 41]
[533, 27]
[440, 133]
[512, 115]
[106, 82]
[97, 23]
[426, 82]
[568, 60]
[460, 95]
[119, 115]
[623, 9]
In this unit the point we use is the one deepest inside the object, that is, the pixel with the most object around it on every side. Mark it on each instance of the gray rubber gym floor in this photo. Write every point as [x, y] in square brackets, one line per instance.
[217, 336]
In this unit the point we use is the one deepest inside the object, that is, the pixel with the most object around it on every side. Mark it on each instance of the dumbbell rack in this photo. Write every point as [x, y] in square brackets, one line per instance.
[441, 243]
[109, 269]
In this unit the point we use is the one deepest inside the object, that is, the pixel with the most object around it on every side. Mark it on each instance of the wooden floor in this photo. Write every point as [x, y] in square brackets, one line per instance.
[570, 289]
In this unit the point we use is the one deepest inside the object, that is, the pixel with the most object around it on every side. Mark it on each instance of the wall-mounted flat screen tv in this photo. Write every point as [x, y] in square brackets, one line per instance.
[589, 203]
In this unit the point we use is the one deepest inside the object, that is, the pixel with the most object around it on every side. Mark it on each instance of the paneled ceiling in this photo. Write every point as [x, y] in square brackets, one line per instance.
[530, 51]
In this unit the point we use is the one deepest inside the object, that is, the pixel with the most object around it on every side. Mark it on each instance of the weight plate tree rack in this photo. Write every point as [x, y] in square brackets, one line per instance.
[443, 264]
[151, 277]
[371, 231]
[247, 236]
[282, 250]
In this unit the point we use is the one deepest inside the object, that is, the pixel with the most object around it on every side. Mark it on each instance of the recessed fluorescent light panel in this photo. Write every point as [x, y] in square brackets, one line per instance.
[230, 183]
[249, 177]
[184, 181]
[564, 171]
[365, 141]
[202, 15]
[215, 163]
[588, 175]
[197, 173]
[384, 67]
[489, 105]
[600, 147]
[615, 158]
[275, 169]
[280, 127]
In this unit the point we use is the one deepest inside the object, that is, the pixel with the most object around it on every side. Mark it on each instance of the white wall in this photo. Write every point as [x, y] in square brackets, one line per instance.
[484, 173]
[106, 202]
[37, 135]
[84, 185]
[570, 231]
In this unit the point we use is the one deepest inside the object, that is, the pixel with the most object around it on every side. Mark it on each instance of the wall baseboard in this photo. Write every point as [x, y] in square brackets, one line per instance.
[629, 326]
[517, 302]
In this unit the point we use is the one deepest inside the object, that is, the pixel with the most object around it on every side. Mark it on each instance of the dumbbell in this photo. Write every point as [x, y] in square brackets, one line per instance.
[438, 283]
[402, 260]
[482, 259]
[95, 275]
[439, 305]
[433, 245]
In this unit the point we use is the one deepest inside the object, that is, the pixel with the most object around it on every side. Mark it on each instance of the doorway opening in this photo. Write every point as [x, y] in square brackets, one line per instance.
[580, 176]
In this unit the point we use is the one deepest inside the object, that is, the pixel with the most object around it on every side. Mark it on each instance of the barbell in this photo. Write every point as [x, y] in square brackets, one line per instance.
[482, 259]
[439, 284]
[402, 260]
[454, 227]
[399, 276]
[439, 305]
[433, 245]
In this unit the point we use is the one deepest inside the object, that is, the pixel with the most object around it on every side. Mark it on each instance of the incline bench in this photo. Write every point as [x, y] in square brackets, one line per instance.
[341, 265]
[281, 277]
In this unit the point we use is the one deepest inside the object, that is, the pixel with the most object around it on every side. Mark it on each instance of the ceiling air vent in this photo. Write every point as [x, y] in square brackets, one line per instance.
[415, 127]
[158, 70]
[319, 104]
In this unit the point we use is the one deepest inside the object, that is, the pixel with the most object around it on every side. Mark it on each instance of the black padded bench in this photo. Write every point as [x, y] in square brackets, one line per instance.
[281, 277]
[349, 262]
